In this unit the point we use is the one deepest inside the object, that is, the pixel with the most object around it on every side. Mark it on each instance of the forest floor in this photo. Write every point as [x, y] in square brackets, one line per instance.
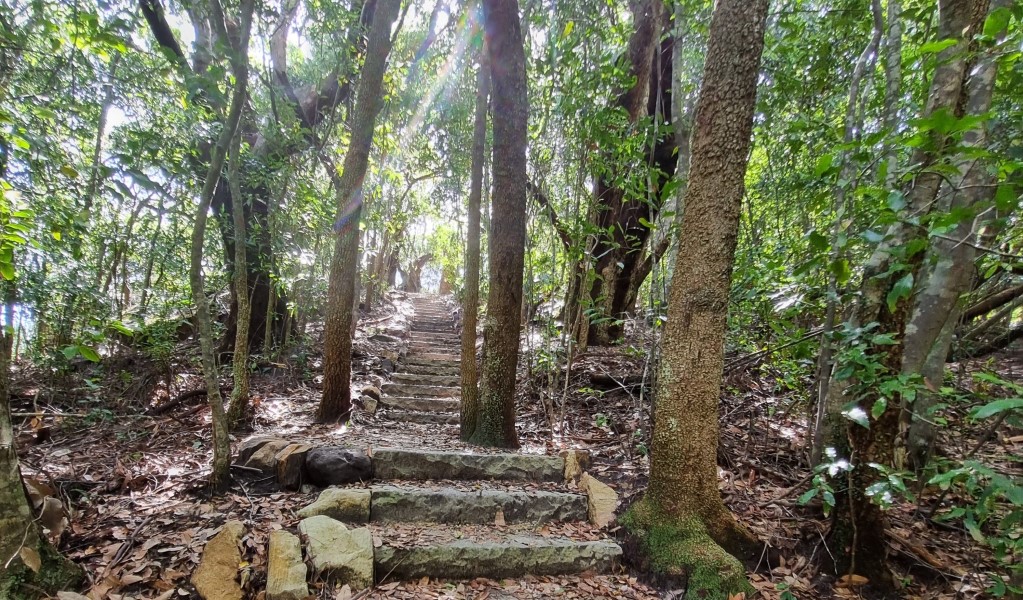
[140, 514]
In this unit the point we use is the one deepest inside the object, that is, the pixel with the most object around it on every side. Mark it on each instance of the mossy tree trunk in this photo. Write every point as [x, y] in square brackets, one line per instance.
[336, 402]
[496, 423]
[681, 520]
[471, 298]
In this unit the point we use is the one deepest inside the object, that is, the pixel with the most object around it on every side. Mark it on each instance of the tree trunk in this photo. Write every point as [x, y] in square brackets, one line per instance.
[847, 181]
[681, 521]
[471, 298]
[857, 537]
[240, 358]
[336, 403]
[220, 474]
[937, 305]
[496, 423]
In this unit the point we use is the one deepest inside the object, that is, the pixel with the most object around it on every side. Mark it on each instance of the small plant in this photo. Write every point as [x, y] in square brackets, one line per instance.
[601, 420]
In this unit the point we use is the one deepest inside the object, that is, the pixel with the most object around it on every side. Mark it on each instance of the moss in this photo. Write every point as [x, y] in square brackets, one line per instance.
[57, 574]
[681, 547]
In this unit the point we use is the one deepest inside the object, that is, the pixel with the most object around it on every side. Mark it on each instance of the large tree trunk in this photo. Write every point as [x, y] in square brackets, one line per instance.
[857, 538]
[471, 298]
[682, 521]
[336, 403]
[496, 424]
[619, 214]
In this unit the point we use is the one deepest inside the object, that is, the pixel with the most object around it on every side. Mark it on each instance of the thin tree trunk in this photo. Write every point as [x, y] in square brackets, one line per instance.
[496, 426]
[471, 297]
[221, 443]
[240, 357]
[846, 182]
[681, 521]
[336, 402]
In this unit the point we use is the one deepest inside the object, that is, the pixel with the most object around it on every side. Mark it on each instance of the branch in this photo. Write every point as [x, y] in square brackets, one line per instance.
[992, 302]
[152, 10]
[545, 204]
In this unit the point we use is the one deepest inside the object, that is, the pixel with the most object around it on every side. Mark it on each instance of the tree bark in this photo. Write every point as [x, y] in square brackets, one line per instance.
[950, 271]
[471, 298]
[506, 240]
[857, 538]
[682, 504]
[220, 474]
[336, 402]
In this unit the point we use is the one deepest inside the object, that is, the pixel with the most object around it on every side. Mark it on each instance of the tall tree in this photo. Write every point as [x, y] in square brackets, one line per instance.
[204, 323]
[866, 421]
[336, 402]
[681, 521]
[496, 424]
[471, 293]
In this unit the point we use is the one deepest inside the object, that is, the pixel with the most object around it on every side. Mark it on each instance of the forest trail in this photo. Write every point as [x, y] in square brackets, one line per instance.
[415, 513]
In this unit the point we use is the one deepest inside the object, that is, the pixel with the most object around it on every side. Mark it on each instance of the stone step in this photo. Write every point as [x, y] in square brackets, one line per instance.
[429, 368]
[421, 404]
[421, 357]
[513, 556]
[391, 503]
[433, 327]
[424, 379]
[390, 463]
[434, 346]
[430, 391]
[421, 418]
[453, 338]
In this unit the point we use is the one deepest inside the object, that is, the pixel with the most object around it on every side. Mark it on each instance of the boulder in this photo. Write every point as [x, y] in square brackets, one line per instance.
[248, 447]
[576, 462]
[383, 337]
[291, 465]
[602, 501]
[372, 391]
[285, 579]
[341, 555]
[216, 578]
[265, 459]
[369, 404]
[332, 465]
[344, 504]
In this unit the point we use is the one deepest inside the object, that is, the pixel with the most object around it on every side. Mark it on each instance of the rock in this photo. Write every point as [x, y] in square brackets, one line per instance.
[446, 505]
[217, 575]
[387, 366]
[249, 446]
[602, 500]
[332, 465]
[344, 504]
[383, 337]
[265, 459]
[372, 391]
[291, 465]
[576, 462]
[515, 556]
[286, 572]
[369, 404]
[341, 555]
[426, 464]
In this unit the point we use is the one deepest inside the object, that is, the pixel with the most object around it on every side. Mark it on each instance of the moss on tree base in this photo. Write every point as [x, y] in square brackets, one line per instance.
[681, 548]
[57, 573]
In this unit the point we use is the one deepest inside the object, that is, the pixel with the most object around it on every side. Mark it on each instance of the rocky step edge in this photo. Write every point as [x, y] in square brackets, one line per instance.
[430, 391]
[298, 463]
[420, 417]
[421, 404]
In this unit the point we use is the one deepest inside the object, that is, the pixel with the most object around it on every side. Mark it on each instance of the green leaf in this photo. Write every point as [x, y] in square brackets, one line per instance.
[69, 171]
[938, 46]
[997, 21]
[896, 201]
[807, 496]
[857, 415]
[88, 354]
[879, 407]
[7, 270]
[997, 407]
[902, 289]
[840, 267]
[56, 235]
[568, 29]
[824, 163]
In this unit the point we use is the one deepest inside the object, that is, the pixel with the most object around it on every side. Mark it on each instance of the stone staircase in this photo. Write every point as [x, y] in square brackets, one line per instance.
[425, 388]
[415, 513]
